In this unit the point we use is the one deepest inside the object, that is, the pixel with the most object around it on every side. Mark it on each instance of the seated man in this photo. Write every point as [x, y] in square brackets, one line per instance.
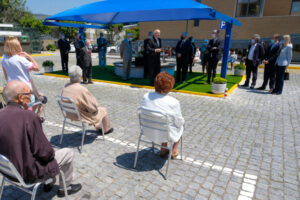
[24, 143]
[86, 103]
[162, 102]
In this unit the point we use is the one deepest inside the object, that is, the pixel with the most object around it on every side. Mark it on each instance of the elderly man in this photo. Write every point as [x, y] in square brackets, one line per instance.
[86, 59]
[24, 143]
[214, 56]
[126, 54]
[154, 47]
[86, 103]
[254, 58]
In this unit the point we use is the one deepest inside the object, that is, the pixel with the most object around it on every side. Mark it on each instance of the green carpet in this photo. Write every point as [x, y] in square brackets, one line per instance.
[195, 81]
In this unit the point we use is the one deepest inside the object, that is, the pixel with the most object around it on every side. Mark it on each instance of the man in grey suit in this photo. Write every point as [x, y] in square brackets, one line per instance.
[126, 54]
[86, 58]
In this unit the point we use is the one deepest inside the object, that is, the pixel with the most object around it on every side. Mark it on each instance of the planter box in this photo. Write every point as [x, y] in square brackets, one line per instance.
[239, 72]
[48, 69]
[218, 88]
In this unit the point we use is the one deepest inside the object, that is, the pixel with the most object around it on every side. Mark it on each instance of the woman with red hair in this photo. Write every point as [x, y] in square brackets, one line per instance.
[162, 102]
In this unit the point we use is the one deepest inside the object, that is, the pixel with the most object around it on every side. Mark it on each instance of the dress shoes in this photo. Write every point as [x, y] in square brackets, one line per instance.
[90, 82]
[245, 85]
[109, 131]
[261, 88]
[73, 189]
[252, 87]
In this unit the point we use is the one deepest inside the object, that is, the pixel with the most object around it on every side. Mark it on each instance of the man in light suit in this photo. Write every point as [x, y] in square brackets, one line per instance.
[269, 61]
[86, 59]
[253, 59]
[126, 54]
[154, 47]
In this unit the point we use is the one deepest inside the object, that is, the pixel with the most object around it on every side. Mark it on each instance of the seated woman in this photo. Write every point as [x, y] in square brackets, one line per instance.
[90, 112]
[160, 101]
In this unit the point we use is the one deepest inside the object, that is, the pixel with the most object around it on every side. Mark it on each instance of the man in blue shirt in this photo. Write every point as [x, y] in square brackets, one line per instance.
[102, 44]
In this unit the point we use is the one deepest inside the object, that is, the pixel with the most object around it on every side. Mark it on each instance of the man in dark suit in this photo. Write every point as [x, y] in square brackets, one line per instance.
[86, 59]
[183, 52]
[253, 59]
[64, 48]
[192, 54]
[78, 44]
[214, 55]
[146, 54]
[269, 61]
[154, 47]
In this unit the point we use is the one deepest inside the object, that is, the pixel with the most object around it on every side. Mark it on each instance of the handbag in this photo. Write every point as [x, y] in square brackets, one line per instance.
[286, 75]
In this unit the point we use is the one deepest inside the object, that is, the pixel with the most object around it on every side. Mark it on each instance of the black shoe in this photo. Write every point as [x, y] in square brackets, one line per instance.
[74, 188]
[109, 131]
[48, 186]
[261, 88]
[274, 92]
[252, 87]
[99, 131]
[90, 82]
[245, 85]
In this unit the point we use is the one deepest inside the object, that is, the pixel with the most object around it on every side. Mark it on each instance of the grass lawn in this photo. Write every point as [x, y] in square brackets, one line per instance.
[195, 81]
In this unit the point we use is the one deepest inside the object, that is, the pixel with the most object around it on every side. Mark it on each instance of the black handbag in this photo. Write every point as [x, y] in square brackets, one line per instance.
[286, 76]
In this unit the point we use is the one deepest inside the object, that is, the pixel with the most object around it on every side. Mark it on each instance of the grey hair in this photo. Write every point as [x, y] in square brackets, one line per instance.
[256, 36]
[75, 73]
[12, 89]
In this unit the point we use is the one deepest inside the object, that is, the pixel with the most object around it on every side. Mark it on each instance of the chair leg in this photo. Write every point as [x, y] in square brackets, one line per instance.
[34, 191]
[62, 133]
[137, 152]
[102, 131]
[181, 155]
[152, 147]
[83, 135]
[2, 186]
[169, 158]
[64, 183]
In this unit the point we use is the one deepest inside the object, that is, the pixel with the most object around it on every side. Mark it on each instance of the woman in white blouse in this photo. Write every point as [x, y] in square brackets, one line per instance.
[160, 101]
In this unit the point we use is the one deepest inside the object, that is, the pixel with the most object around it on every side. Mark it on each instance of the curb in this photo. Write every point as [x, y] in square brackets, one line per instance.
[150, 87]
[36, 55]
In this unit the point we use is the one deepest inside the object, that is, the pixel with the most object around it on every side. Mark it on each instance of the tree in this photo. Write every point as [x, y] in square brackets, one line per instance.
[11, 10]
[135, 32]
[113, 31]
[29, 21]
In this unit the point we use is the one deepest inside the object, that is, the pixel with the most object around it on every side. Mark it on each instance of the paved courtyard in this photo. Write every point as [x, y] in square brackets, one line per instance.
[245, 146]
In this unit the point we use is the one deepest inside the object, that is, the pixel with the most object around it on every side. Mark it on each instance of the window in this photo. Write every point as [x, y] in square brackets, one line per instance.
[295, 7]
[196, 23]
[249, 8]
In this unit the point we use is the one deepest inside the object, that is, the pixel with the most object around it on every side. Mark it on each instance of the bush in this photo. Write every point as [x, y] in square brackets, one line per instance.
[240, 66]
[48, 63]
[51, 47]
[219, 80]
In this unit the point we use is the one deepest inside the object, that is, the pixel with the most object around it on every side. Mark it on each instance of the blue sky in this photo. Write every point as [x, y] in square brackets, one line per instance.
[51, 7]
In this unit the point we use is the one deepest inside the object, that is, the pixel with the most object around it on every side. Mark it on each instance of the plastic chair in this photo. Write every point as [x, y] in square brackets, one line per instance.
[8, 169]
[69, 109]
[154, 126]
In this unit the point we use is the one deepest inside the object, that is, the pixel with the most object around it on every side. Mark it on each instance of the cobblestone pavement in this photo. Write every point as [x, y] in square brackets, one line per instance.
[245, 146]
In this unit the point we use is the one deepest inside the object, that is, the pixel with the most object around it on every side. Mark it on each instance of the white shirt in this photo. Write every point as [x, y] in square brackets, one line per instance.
[251, 52]
[168, 105]
[17, 68]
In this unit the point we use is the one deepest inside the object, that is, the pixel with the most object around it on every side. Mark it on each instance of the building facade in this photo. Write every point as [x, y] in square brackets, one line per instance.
[264, 17]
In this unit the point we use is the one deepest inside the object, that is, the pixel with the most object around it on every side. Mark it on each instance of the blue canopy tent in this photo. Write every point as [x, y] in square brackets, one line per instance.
[108, 12]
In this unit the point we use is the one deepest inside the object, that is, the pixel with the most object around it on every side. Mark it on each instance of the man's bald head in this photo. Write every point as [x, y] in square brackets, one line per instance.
[13, 88]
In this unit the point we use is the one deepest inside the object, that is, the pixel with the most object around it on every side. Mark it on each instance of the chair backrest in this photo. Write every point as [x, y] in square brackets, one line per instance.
[68, 108]
[2, 100]
[9, 170]
[154, 125]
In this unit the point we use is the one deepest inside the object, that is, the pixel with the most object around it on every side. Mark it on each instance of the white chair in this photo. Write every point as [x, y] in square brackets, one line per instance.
[154, 126]
[69, 108]
[8, 169]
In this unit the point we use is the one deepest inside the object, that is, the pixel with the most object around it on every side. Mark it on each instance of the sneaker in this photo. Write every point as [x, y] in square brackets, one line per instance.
[74, 188]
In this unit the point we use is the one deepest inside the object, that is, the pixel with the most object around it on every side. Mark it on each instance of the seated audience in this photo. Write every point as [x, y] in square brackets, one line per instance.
[160, 101]
[24, 143]
[86, 103]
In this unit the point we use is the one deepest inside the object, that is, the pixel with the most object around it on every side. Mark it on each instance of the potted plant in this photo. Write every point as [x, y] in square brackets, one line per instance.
[239, 70]
[219, 85]
[48, 66]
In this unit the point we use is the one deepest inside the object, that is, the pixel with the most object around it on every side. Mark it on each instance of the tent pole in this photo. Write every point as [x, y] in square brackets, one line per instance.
[227, 44]
[187, 27]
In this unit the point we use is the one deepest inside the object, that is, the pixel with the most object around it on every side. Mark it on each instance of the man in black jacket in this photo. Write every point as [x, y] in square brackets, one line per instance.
[183, 52]
[78, 44]
[192, 54]
[146, 54]
[64, 48]
[254, 57]
[213, 56]
[154, 47]
[269, 61]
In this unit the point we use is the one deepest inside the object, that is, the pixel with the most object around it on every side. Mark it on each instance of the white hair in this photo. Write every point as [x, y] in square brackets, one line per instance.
[75, 73]
[12, 89]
